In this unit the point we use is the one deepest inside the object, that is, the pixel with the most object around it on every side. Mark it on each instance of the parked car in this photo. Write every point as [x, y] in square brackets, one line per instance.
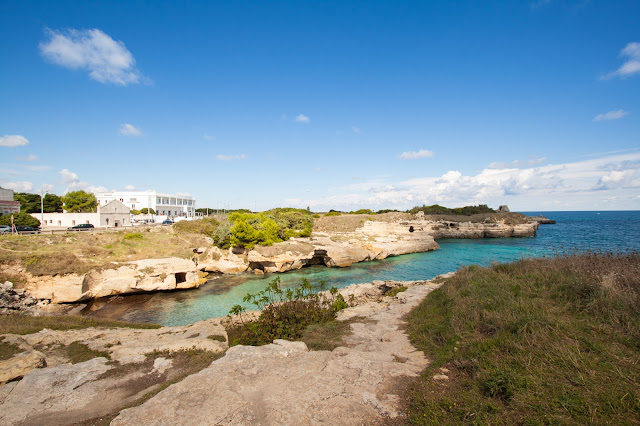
[5, 229]
[81, 227]
[167, 222]
[27, 229]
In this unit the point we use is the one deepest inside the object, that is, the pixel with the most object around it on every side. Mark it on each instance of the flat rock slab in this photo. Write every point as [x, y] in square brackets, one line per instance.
[286, 384]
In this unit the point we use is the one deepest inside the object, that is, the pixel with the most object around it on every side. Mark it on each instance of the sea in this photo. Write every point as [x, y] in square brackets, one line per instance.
[604, 231]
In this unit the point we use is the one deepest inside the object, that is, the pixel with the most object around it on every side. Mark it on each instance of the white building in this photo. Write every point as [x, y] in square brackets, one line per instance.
[114, 214]
[163, 204]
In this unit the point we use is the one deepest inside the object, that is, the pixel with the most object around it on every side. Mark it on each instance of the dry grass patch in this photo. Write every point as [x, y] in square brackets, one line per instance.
[23, 324]
[80, 252]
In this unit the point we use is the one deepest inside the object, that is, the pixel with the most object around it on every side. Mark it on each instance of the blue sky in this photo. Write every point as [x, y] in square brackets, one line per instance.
[332, 104]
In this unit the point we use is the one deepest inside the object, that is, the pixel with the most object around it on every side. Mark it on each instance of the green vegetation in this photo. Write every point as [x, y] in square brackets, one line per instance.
[134, 212]
[246, 229]
[363, 211]
[540, 341]
[461, 211]
[147, 211]
[79, 202]
[23, 219]
[284, 313]
[133, 236]
[332, 213]
[30, 203]
[25, 324]
[394, 291]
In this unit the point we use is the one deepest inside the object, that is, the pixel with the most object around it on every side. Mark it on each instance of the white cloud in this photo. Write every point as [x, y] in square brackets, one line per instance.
[20, 186]
[68, 176]
[129, 188]
[301, 118]
[413, 155]
[208, 137]
[568, 186]
[631, 66]
[611, 115]
[355, 129]
[129, 130]
[13, 140]
[29, 157]
[223, 157]
[48, 187]
[107, 60]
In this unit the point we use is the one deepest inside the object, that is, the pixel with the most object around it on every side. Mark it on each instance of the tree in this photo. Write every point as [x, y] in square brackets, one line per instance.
[147, 211]
[135, 212]
[79, 202]
[52, 204]
[29, 203]
[23, 219]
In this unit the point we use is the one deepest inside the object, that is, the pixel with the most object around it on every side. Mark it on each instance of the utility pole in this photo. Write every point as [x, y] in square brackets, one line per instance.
[42, 192]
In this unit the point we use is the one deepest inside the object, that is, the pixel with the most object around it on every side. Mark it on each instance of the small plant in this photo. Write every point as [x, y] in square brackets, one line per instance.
[133, 236]
[394, 291]
[285, 312]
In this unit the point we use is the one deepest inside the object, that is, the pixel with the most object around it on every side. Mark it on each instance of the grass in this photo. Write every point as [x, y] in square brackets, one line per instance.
[394, 291]
[7, 350]
[536, 341]
[325, 336]
[62, 254]
[24, 324]
[79, 352]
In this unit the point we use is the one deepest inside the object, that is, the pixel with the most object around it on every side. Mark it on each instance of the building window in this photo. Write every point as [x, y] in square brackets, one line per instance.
[107, 220]
[59, 223]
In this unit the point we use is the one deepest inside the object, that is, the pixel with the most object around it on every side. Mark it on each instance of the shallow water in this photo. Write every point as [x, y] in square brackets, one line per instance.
[599, 231]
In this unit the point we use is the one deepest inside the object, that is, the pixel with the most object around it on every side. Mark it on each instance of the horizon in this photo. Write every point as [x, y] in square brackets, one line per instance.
[365, 105]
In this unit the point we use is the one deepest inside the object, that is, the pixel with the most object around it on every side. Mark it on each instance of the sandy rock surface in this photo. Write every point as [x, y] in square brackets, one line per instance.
[285, 383]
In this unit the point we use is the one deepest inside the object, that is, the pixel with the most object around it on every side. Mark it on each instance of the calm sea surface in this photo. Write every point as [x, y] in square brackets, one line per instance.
[598, 231]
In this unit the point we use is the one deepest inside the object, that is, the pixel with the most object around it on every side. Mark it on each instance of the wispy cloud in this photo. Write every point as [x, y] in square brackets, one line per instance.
[68, 176]
[29, 157]
[414, 155]
[301, 118]
[631, 65]
[355, 129]
[106, 59]
[129, 188]
[539, 3]
[19, 186]
[208, 137]
[515, 164]
[223, 157]
[611, 115]
[13, 141]
[129, 130]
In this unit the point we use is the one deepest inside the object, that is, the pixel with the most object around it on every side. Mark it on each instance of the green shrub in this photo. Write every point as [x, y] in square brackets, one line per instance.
[20, 219]
[285, 313]
[333, 214]
[461, 211]
[394, 291]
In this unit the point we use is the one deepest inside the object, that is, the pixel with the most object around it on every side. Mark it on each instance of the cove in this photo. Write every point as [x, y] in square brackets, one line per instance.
[605, 231]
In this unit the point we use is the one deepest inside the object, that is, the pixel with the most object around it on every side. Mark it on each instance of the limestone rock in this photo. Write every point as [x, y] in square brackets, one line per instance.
[54, 389]
[132, 277]
[20, 364]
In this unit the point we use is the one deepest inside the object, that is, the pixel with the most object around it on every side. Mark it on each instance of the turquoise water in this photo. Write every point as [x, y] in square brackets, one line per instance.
[600, 231]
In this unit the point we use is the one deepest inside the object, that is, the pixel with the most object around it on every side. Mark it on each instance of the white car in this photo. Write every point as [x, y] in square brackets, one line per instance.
[5, 228]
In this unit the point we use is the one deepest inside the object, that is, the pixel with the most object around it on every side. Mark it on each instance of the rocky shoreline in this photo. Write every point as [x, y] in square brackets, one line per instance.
[356, 376]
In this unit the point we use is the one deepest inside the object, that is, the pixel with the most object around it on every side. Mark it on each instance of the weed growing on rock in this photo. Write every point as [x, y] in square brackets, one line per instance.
[284, 313]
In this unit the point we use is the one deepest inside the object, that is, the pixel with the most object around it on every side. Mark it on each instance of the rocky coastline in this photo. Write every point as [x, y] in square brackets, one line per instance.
[336, 242]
